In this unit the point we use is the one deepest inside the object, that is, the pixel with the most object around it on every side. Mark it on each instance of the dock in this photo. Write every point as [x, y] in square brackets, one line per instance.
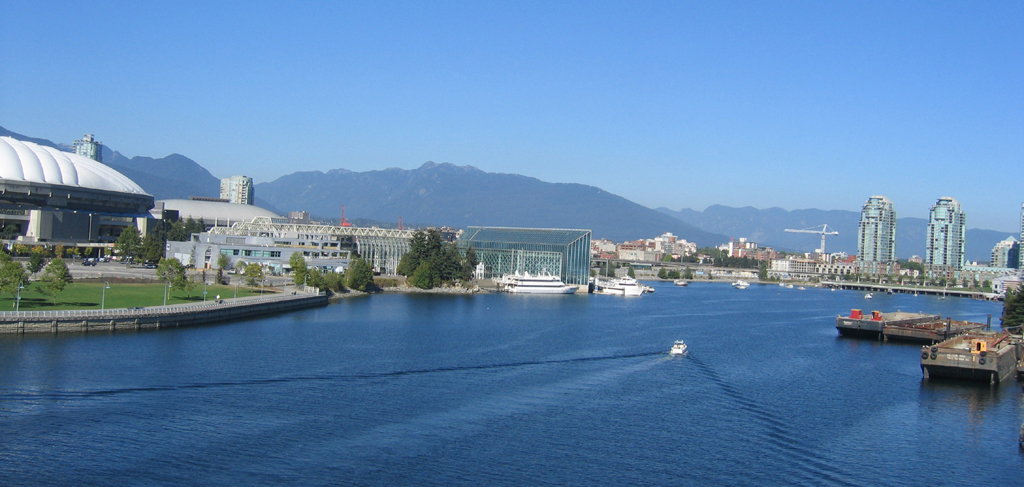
[903, 326]
[916, 290]
[985, 356]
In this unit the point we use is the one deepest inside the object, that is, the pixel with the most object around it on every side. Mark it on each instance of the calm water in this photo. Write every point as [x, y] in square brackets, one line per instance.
[512, 390]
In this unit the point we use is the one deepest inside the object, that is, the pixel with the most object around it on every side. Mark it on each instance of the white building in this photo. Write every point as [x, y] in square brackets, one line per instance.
[237, 189]
[876, 234]
[947, 232]
[1004, 251]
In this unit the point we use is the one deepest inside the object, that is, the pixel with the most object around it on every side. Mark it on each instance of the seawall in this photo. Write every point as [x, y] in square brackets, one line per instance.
[87, 321]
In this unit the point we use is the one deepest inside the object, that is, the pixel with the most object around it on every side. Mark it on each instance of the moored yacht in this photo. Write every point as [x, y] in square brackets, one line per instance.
[741, 284]
[623, 286]
[528, 284]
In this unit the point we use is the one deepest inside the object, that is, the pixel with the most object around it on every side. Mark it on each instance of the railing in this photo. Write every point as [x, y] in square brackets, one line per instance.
[153, 311]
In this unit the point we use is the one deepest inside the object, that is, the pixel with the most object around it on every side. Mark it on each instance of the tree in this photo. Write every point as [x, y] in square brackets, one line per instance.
[129, 243]
[762, 271]
[35, 262]
[663, 273]
[59, 251]
[1013, 308]
[359, 275]
[424, 277]
[673, 274]
[630, 273]
[469, 265]
[688, 273]
[172, 272]
[253, 274]
[12, 274]
[299, 270]
[152, 249]
[222, 263]
[55, 277]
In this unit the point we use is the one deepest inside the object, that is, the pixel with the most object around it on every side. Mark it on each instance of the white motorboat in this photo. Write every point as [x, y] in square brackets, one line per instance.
[681, 283]
[529, 284]
[623, 286]
[869, 296]
[678, 348]
[802, 288]
[741, 284]
[789, 286]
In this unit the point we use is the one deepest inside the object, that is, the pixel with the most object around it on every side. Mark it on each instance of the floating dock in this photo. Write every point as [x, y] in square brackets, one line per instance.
[899, 325]
[986, 356]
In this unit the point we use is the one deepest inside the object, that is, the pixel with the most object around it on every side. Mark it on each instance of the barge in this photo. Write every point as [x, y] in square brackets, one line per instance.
[985, 356]
[899, 325]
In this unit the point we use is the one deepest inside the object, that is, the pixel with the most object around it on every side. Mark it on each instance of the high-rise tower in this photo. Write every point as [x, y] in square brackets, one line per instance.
[876, 234]
[947, 232]
[89, 147]
[237, 189]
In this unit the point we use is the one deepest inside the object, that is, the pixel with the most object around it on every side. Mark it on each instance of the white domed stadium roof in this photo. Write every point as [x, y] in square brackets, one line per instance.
[215, 211]
[26, 161]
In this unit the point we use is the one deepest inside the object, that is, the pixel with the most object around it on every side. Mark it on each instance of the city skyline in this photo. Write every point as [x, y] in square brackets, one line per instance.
[682, 106]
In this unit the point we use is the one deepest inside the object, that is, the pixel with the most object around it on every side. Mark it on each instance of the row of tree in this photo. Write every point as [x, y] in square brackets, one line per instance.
[131, 244]
[430, 261]
[14, 277]
[358, 275]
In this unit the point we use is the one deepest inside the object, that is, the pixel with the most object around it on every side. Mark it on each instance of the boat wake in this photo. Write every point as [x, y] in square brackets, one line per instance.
[73, 394]
[813, 468]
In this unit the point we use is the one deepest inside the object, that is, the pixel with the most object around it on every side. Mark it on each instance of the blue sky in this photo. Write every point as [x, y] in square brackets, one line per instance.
[678, 104]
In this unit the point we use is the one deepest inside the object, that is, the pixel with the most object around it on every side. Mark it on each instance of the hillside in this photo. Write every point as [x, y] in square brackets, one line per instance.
[766, 227]
[460, 196]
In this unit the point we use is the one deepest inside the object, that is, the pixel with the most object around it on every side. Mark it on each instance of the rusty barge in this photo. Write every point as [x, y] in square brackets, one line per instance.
[900, 325]
[983, 356]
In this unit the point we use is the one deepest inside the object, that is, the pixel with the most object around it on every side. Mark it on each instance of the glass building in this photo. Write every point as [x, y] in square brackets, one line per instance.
[565, 253]
[876, 235]
[947, 231]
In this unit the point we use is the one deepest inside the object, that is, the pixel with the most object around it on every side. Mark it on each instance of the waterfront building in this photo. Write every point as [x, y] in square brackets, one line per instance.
[947, 232]
[237, 189]
[1006, 253]
[89, 147]
[876, 233]
[382, 248]
[561, 252]
[273, 254]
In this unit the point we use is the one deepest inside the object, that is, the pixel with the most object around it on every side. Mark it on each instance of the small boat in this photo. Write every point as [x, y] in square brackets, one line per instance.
[681, 283]
[869, 296]
[624, 286]
[741, 284]
[833, 289]
[678, 348]
[802, 288]
[789, 286]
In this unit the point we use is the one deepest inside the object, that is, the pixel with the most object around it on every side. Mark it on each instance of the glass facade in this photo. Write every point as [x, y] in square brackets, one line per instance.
[947, 231]
[876, 235]
[565, 253]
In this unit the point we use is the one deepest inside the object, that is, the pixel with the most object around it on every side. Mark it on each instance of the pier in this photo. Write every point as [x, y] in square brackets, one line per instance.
[110, 320]
[903, 326]
[932, 291]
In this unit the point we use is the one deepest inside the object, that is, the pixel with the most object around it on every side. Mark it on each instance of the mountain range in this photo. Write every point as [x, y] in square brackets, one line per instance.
[767, 228]
[461, 196]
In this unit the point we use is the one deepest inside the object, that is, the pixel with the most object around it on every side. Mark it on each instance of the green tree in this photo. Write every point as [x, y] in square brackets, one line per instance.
[667, 258]
[152, 249]
[35, 262]
[630, 273]
[469, 264]
[673, 274]
[663, 273]
[177, 232]
[222, 263]
[172, 272]
[762, 271]
[359, 275]
[55, 278]
[253, 274]
[129, 243]
[424, 277]
[12, 275]
[1013, 309]
[299, 269]
[688, 274]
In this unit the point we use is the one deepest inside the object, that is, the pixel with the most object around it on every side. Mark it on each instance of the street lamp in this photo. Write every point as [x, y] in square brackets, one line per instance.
[167, 291]
[262, 281]
[236, 288]
[103, 295]
[204, 291]
[17, 300]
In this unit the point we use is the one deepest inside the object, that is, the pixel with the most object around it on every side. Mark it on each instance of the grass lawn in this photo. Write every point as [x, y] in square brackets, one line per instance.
[87, 295]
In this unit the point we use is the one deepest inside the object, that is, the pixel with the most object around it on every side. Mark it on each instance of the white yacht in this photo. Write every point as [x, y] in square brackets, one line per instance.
[869, 296]
[681, 282]
[678, 348]
[527, 284]
[623, 286]
[741, 284]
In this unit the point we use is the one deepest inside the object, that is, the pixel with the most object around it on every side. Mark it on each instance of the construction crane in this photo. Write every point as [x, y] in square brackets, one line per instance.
[823, 232]
[344, 222]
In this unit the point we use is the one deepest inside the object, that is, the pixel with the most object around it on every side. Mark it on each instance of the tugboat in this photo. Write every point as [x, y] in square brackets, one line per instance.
[678, 348]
